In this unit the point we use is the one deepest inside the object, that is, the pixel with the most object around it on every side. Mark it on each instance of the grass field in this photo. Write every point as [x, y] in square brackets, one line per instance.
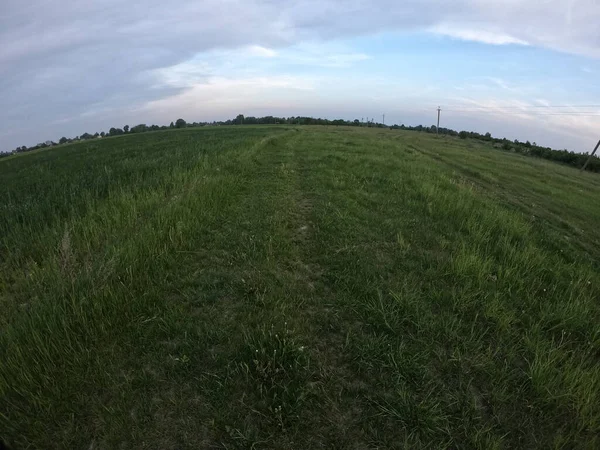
[282, 287]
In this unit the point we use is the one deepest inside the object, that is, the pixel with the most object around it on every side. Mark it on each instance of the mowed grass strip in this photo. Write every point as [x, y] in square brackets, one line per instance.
[297, 287]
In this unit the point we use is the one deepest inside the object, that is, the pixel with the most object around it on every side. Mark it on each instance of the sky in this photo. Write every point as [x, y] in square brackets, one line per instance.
[527, 70]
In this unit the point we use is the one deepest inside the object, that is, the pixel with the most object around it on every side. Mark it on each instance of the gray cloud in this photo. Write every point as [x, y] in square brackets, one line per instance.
[61, 62]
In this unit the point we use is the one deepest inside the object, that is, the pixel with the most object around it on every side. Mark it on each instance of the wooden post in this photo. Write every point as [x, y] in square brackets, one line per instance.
[591, 156]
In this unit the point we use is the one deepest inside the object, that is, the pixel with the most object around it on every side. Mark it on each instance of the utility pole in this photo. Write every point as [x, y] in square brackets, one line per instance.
[438, 123]
[591, 156]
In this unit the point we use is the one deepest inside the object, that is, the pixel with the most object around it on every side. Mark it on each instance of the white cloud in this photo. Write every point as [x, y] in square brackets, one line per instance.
[221, 95]
[476, 35]
[563, 25]
[182, 75]
[264, 52]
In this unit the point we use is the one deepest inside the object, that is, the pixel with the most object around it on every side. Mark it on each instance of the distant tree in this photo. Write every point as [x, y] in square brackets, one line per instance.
[96, 134]
[172, 125]
[488, 136]
[102, 134]
[63, 140]
[86, 136]
[180, 123]
[126, 128]
[141, 128]
[239, 120]
[463, 134]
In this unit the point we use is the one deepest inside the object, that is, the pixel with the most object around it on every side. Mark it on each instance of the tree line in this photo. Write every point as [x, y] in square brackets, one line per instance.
[525, 148]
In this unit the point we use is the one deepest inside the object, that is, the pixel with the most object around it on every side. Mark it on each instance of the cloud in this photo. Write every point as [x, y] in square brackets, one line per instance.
[481, 35]
[263, 52]
[563, 25]
[325, 55]
[220, 94]
[74, 62]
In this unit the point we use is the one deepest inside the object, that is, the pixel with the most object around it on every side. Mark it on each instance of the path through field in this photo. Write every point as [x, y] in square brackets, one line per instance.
[297, 287]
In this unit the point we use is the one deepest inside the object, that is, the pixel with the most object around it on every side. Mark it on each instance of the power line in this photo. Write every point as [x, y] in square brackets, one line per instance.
[526, 111]
[531, 110]
[537, 111]
[531, 113]
[524, 106]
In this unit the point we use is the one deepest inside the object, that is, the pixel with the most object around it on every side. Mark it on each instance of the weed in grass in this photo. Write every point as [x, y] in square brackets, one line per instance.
[277, 369]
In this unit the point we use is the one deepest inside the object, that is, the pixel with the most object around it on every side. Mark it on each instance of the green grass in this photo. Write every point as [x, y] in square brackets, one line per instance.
[297, 287]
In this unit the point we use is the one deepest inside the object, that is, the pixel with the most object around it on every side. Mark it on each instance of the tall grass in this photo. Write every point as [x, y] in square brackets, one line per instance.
[297, 287]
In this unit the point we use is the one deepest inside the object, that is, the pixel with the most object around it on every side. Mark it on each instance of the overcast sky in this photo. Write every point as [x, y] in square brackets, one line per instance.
[71, 66]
